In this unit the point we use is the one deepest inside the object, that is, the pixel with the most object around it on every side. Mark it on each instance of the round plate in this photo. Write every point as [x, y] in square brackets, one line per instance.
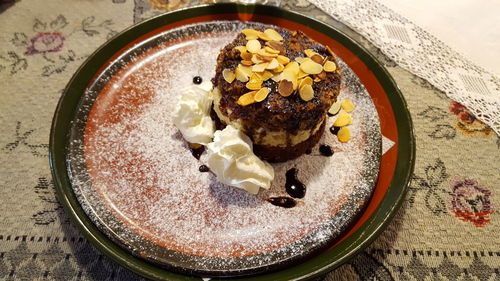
[141, 220]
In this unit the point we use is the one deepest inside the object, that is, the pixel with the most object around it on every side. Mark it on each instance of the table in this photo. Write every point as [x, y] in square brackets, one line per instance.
[447, 228]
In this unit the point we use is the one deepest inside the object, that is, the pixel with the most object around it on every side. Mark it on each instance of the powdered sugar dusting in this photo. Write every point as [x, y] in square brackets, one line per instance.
[137, 180]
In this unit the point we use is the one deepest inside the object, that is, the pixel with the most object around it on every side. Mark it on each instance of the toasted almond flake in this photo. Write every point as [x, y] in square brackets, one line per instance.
[250, 34]
[343, 119]
[266, 75]
[317, 58]
[310, 67]
[271, 50]
[316, 79]
[253, 46]
[273, 64]
[305, 81]
[246, 55]
[306, 92]
[273, 35]
[228, 75]
[292, 67]
[344, 134]
[240, 75]
[279, 68]
[301, 74]
[309, 53]
[247, 62]
[247, 70]
[276, 46]
[242, 49]
[264, 36]
[285, 88]
[329, 66]
[321, 75]
[290, 76]
[330, 51]
[254, 85]
[334, 109]
[262, 58]
[256, 59]
[265, 53]
[262, 94]
[347, 105]
[276, 77]
[260, 67]
[282, 59]
[247, 98]
[299, 59]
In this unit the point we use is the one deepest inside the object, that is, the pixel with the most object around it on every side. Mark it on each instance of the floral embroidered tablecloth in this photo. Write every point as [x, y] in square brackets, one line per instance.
[447, 228]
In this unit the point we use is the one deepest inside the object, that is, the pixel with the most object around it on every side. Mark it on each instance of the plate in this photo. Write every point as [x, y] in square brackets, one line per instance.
[127, 178]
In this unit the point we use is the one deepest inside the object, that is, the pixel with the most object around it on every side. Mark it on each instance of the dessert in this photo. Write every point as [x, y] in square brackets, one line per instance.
[276, 86]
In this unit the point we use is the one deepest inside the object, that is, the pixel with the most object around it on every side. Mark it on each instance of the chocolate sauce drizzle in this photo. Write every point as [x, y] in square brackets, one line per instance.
[197, 151]
[326, 150]
[204, 169]
[334, 130]
[294, 187]
[197, 80]
[283, 201]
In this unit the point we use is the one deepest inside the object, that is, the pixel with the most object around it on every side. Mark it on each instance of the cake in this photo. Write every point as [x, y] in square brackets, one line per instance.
[276, 86]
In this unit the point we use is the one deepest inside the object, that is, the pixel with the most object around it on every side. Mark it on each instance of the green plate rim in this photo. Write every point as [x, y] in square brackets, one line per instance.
[315, 266]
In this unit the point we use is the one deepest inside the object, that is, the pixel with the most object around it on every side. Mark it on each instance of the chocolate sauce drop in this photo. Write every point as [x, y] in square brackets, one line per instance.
[203, 169]
[334, 130]
[197, 80]
[326, 150]
[293, 186]
[197, 151]
[285, 202]
[308, 151]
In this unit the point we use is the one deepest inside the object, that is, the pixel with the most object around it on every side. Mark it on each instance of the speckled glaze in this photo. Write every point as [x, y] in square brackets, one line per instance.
[137, 181]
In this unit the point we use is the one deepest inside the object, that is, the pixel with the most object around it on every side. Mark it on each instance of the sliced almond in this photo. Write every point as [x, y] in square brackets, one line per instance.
[290, 76]
[335, 108]
[279, 69]
[273, 64]
[276, 46]
[262, 94]
[250, 34]
[246, 55]
[273, 35]
[301, 74]
[347, 105]
[344, 134]
[265, 53]
[330, 51]
[292, 67]
[271, 50]
[240, 75]
[299, 59]
[266, 75]
[247, 62]
[306, 92]
[260, 67]
[282, 59]
[285, 88]
[253, 46]
[311, 67]
[317, 58]
[256, 59]
[247, 98]
[242, 49]
[305, 81]
[264, 36]
[262, 58]
[246, 70]
[309, 53]
[317, 79]
[329, 66]
[228, 75]
[343, 119]
[321, 75]
[254, 84]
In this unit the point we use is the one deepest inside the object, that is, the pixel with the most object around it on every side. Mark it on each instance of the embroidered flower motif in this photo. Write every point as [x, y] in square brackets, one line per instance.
[471, 202]
[467, 122]
[45, 42]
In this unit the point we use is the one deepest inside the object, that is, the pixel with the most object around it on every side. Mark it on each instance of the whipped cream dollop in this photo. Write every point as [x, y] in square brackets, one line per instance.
[192, 114]
[231, 159]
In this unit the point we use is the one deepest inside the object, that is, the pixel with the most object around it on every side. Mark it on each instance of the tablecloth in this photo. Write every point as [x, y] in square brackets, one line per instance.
[447, 228]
